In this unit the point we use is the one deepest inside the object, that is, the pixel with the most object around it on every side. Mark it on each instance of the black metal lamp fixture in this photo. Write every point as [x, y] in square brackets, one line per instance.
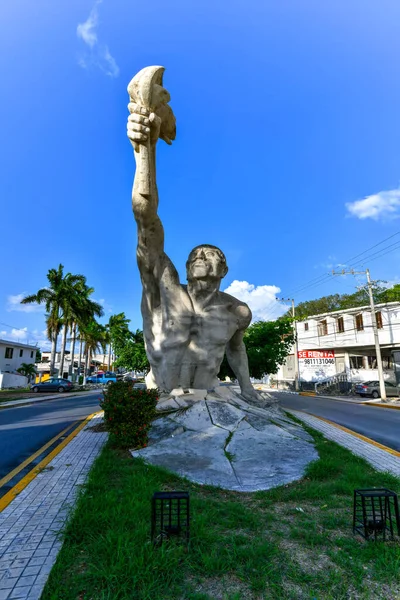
[375, 513]
[170, 516]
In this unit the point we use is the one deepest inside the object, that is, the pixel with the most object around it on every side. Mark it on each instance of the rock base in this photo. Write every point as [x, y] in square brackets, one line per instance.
[216, 438]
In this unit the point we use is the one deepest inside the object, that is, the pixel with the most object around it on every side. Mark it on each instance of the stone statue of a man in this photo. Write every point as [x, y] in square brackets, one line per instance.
[187, 328]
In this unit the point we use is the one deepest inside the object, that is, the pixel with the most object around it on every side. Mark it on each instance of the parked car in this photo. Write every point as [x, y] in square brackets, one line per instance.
[103, 378]
[53, 385]
[139, 386]
[371, 388]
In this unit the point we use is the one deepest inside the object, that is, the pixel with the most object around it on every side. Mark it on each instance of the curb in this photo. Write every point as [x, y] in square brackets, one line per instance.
[21, 485]
[381, 405]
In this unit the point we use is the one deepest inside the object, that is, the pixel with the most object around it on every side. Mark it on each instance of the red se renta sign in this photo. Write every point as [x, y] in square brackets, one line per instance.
[316, 354]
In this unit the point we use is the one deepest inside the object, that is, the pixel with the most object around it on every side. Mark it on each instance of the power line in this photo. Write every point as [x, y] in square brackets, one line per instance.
[316, 281]
[372, 247]
[12, 326]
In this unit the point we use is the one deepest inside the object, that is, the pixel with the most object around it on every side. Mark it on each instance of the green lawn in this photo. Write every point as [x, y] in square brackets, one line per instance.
[243, 546]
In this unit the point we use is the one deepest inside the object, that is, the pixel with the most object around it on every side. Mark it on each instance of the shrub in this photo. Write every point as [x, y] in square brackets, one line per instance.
[128, 413]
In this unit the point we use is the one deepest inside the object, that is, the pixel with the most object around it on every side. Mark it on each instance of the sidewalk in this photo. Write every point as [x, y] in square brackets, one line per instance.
[30, 525]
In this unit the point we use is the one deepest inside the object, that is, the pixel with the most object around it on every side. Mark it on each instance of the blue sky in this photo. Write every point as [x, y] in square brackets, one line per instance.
[287, 152]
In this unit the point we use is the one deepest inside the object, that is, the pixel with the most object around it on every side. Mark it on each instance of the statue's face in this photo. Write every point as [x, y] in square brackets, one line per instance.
[206, 262]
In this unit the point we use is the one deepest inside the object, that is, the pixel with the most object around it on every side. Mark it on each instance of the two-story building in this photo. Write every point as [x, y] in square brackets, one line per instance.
[12, 355]
[70, 366]
[342, 342]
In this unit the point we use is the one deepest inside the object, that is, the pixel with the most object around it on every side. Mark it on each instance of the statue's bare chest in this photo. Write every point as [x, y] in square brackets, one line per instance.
[211, 324]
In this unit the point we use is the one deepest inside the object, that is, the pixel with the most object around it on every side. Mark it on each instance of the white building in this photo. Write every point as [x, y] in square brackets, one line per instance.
[12, 355]
[342, 342]
[97, 361]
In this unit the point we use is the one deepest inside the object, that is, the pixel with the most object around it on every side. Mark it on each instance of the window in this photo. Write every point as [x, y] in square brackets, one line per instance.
[356, 362]
[32, 354]
[323, 328]
[379, 323]
[387, 362]
[359, 323]
[21, 353]
[9, 352]
[305, 326]
[340, 325]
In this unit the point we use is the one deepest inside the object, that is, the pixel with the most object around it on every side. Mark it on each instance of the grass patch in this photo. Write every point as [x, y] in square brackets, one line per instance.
[243, 546]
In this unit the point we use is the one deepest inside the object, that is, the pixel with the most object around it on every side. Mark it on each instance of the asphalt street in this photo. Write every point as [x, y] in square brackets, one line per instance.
[379, 424]
[25, 429]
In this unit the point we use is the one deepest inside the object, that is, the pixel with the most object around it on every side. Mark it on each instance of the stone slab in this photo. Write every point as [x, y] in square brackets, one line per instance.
[268, 458]
[224, 415]
[196, 418]
[199, 456]
[224, 441]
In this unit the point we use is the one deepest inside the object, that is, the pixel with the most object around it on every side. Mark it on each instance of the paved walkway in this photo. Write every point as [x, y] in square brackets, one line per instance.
[29, 526]
[380, 459]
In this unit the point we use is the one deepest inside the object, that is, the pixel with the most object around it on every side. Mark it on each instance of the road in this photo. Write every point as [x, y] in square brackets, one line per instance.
[379, 424]
[25, 429]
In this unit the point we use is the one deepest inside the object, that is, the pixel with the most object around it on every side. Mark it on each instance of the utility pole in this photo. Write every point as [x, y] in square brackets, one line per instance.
[376, 336]
[379, 365]
[296, 350]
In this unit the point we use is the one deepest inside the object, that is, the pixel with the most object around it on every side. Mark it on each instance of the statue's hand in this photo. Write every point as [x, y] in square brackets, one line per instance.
[142, 125]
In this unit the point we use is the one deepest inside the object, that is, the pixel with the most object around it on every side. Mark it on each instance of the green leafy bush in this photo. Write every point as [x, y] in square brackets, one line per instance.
[128, 413]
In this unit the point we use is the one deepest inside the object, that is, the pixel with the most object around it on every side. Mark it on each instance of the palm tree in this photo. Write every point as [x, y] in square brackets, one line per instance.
[78, 310]
[95, 337]
[74, 283]
[55, 298]
[29, 370]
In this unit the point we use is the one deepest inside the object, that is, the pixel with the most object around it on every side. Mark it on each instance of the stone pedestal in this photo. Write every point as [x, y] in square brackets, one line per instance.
[216, 438]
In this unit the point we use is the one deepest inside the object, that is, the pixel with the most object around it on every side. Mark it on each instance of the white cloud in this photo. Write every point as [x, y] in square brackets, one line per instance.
[381, 206]
[26, 336]
[261, 299]
[106, 306]
[14, 304]
[87, 30]
[98, 55]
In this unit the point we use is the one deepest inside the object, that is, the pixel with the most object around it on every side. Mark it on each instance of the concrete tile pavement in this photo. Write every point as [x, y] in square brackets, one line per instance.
[380, 459]
[30, 525]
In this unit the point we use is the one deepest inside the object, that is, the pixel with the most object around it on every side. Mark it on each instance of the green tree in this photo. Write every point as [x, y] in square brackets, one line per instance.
[119, 334]
[267, 344]
[78, 309]
[38, 357]
[94, 337]
[391, 294]
[132, 355]
[54, 297]
[27, 369]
